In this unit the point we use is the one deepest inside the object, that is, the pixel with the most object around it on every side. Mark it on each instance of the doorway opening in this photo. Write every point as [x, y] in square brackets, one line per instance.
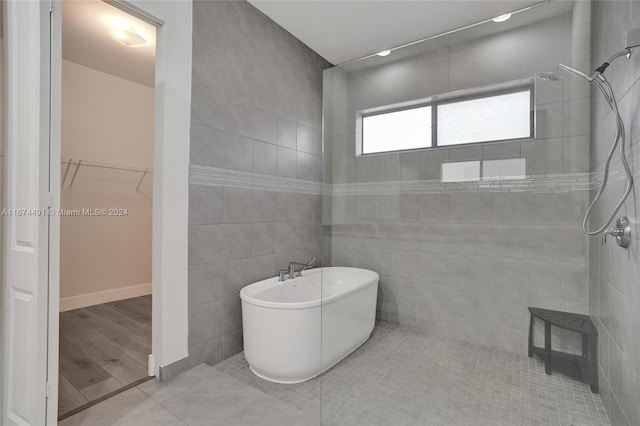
[108, 66]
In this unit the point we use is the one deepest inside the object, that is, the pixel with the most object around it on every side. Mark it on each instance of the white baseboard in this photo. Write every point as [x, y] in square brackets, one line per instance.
[84, 300]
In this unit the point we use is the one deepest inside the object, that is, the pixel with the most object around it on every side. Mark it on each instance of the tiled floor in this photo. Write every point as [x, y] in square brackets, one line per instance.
[399, 377]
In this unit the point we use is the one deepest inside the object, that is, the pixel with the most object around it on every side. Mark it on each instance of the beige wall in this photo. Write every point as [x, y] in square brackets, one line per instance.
[105, 119]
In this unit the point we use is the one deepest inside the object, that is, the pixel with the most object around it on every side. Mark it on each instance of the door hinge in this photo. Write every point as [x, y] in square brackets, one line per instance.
[49, 200]
[50, 6]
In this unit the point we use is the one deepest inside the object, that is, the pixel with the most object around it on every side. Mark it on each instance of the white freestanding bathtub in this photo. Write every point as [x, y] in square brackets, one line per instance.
[296, 329]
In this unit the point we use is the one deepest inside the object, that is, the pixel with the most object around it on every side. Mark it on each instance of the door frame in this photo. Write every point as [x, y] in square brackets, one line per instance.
[26, 135]
[172, 119]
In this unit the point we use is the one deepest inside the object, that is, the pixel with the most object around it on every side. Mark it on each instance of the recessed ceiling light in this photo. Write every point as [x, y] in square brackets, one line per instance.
[502, 18]
[384, 53]
[128, 37]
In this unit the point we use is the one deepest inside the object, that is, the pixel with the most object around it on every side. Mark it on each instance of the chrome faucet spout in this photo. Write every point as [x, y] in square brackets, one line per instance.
[292, 272]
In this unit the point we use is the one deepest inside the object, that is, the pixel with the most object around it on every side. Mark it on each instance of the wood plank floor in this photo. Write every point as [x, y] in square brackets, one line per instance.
[102, 349]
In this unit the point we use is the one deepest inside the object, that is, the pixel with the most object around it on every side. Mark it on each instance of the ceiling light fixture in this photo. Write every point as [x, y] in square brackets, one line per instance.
[502, 18]
[384, 53]
[128, 37]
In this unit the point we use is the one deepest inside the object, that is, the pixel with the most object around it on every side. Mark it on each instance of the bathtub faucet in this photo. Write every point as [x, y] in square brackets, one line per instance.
[291, 272]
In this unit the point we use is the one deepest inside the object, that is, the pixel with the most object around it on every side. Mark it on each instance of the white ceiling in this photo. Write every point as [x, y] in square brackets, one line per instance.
[475, 32]
[85, 40]
[341, 31]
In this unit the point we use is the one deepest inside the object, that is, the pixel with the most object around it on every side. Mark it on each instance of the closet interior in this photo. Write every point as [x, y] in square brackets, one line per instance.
[108, 82]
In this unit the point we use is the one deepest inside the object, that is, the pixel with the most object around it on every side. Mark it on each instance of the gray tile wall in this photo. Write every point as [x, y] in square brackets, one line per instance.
[256, 108]
[615, 272]
[467, 261]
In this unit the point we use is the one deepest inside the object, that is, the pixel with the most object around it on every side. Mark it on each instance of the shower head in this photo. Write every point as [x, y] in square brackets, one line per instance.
[554, 73]
[549, 76]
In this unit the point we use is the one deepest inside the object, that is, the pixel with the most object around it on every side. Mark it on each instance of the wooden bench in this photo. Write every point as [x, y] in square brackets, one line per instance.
[582, 367]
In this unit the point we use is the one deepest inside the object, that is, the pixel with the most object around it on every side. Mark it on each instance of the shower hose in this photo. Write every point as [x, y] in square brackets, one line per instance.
[602, 83]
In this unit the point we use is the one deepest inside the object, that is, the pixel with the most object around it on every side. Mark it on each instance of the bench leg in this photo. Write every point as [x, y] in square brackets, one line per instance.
[547, 347]
[531, 337]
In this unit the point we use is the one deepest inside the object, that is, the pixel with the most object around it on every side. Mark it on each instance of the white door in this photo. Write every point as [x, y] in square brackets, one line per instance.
[26, 134]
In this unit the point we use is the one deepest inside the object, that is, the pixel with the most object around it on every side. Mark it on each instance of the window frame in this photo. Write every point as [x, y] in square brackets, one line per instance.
[450, 98]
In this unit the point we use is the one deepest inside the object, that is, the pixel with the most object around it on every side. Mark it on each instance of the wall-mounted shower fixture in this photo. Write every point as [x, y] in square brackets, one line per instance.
[600, 81]
[622, 232]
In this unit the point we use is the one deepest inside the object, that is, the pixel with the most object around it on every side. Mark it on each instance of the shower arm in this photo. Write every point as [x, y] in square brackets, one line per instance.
[600, 70]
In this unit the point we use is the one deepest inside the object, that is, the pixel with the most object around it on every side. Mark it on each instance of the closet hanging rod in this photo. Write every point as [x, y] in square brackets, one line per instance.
[107, 166]
[77, 163]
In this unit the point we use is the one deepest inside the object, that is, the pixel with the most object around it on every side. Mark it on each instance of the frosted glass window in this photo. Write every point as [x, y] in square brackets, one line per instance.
[461, 171]
[492, 118]
[494, 115]
[396, 131]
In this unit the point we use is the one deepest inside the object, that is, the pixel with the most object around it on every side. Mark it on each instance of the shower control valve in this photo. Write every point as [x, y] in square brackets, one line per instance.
[622, 232]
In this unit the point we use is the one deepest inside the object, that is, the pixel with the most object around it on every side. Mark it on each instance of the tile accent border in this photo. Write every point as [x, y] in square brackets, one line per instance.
[549, 183]
[214, 176]
[536, 183]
